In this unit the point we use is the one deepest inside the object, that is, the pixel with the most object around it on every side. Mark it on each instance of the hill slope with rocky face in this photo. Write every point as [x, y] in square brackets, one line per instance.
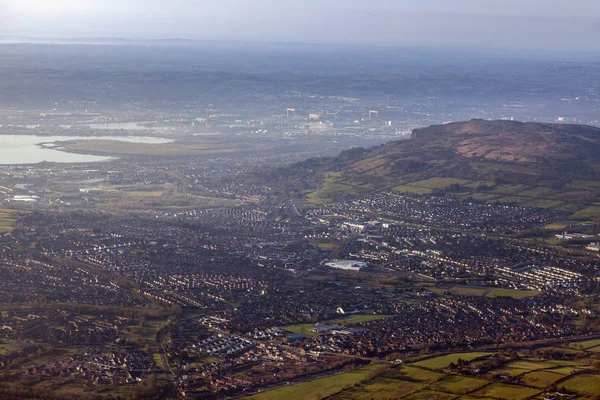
[535, 164]
[479, 149]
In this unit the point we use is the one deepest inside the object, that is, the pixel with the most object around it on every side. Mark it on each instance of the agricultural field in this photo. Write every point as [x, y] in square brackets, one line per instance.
[529, 365]
[320, 388]
[541, 379]
[432, 378]
[430, 395]
[585, 385]
[442, 362]
[7, 220]
[586, 345]
[506, 392]
[418, 374]
[457, 384]
[588, 213]
[380, 388]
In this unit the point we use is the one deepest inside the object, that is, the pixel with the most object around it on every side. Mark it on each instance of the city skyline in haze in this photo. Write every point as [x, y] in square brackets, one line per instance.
[547, 24]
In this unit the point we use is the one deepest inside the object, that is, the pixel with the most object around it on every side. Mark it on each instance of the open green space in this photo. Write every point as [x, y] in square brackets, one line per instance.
[320, 388]
[439, 183]
[529, 365]
[202, 361]
[541, 379]
[568, 370]
[515, 294]
[557, 226]
[444, 361]
[411, 190]
[506, 392]
[7, 221]
[430, 395]
[509, 371]
[585, 385]
[457, 384]
[145, 194]
[333, 188]
[588, 213]
[357, 319]
[379, 388]
[419, 374]
[306, 329]
[588, 344]
[7, 348]
[479, 291]
[301, 329]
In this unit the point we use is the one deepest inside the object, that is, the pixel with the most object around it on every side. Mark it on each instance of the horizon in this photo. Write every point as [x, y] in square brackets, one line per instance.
[501, 52]
[510, 24]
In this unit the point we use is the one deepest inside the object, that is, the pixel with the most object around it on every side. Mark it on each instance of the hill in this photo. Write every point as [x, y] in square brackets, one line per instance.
[534, 164]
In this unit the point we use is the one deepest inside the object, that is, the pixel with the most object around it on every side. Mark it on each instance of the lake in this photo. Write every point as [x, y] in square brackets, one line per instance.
[28, 149]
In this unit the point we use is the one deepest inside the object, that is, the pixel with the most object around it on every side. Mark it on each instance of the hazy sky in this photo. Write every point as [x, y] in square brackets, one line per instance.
[573, 24]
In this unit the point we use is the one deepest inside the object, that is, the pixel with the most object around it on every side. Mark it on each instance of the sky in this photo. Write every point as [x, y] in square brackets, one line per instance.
[541, 24]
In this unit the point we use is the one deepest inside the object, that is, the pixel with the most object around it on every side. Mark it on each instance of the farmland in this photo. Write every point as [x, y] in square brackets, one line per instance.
[440, 378]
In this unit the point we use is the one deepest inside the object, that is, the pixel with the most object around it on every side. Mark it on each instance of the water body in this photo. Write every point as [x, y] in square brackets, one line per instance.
[127, 126]
[29, 149]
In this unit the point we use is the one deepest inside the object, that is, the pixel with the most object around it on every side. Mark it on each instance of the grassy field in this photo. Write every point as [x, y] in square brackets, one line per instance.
[444, 361]
[510, 371]
[419, 374]
[7, 348]
[381, 389]
[439, 183]
[149, 330]
[201, 361]
[588, 344]
[506, 392]
[305, 329]
[515, 294]
[411, 190]
[328, 246]
[320, 388]
[357, 319]
[585, 385]
[469, 290]
[429, 379]
[559, 227]
[302, 329]
[144, 194]
[541, 379]
[332, 190]
[7, 221]
[457, 384]
[529, 365]
[430, 395]
[479, 291]
[588, 213]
